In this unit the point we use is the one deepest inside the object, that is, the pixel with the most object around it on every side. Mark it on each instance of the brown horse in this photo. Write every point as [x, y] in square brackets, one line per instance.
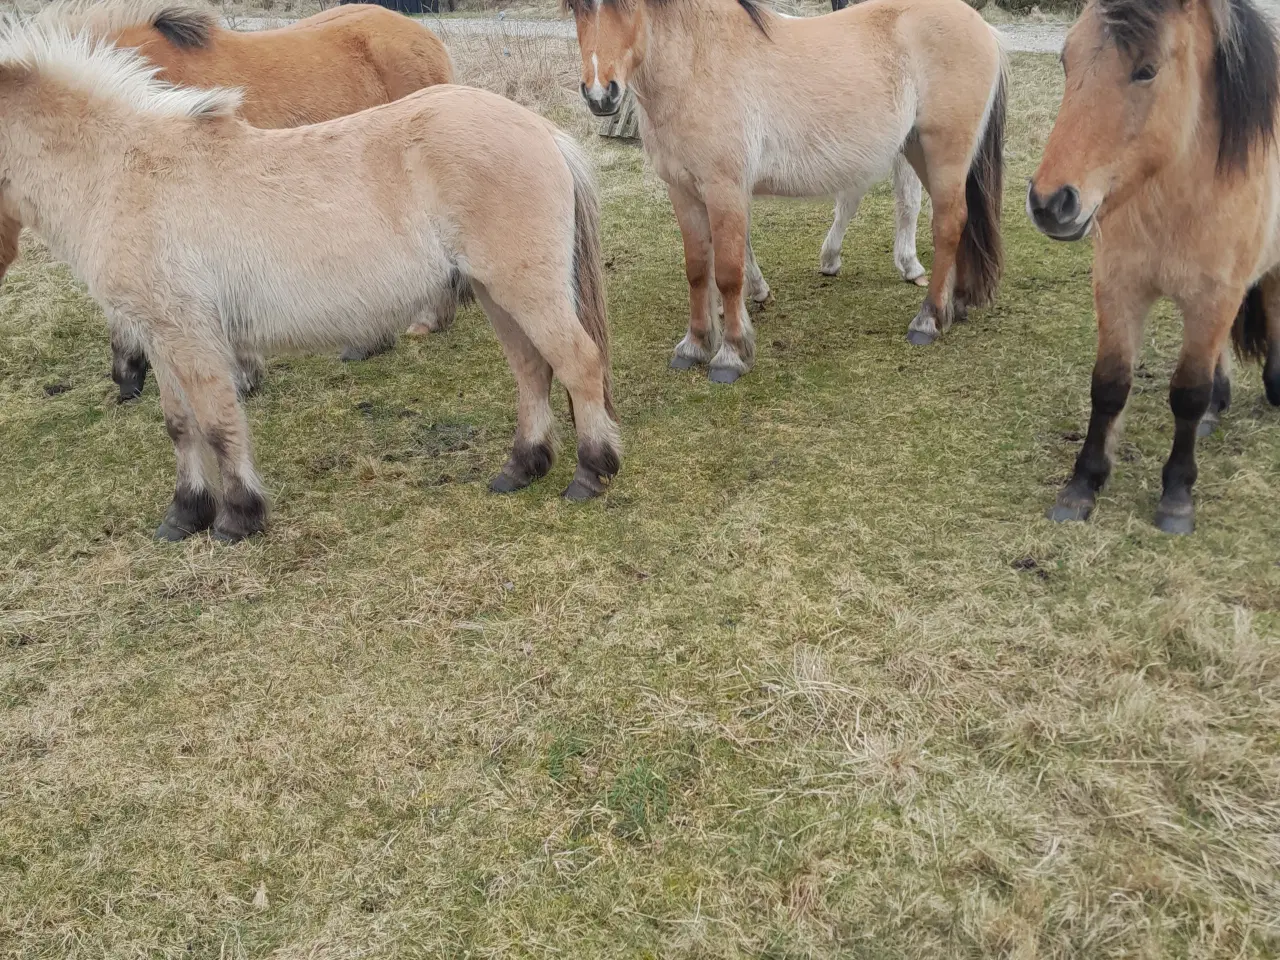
[1163, 150]
[329, 65]
[737, 101]
[205, 237]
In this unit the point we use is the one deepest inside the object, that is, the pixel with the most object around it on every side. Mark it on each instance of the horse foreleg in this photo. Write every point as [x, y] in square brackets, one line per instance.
[949, 215]
[1121, 313]
[194, 505]
[701, 341]
[128, 363]
[907, 197]
[757, 288]
[199, 369]
[1205, 329]
[727, 210]
[1271, 364]
[1220, 400]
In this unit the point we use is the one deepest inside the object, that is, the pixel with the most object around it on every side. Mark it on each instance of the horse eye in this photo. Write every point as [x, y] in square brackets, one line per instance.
[1144, 74]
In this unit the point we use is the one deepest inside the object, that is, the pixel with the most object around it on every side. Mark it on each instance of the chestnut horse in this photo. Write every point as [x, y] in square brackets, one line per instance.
[204, 236]
[329, 65]
[737, 101]
[1163, 151]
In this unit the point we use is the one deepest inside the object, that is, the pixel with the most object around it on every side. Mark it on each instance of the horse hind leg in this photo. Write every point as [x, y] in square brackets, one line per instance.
[846, 208]
[128, 363]
[1271, 363]
[947, 190]
[907, 197]
[534, 449]
[1220, 400]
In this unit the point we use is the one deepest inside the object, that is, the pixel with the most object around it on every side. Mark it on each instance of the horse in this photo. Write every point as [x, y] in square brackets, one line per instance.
[1163, 151]
[203, 236]
[806, 107]
[329, 65]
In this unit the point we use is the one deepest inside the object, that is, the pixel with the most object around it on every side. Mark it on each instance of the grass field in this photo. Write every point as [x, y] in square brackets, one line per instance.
[816, 679]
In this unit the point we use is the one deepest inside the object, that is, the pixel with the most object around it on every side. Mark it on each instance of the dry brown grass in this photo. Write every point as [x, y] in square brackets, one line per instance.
[815, 680]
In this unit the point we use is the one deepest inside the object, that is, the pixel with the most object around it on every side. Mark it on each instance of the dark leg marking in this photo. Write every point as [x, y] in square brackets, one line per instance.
[597, 466]
[1271, 374]
[1109, 392]
[243, 513]
[527, 464]
[364, 351]
[1219, 403]
[1176, 511]
[190, 512]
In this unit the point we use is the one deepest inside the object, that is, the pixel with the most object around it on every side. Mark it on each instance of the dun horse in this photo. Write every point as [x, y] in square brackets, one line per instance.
[1163, 150]
[332, 64]
[203, 237]
[737, 101]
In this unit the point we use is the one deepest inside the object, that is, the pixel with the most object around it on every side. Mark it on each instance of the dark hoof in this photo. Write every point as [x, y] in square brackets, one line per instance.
[172, 533]
[724, 374]
[1069, 512]
[505, 483]
[1179, 523]
[231, 536]
[683, 363]
[579, 491]
[1271, 383]
[920, 338]
[1207, 426]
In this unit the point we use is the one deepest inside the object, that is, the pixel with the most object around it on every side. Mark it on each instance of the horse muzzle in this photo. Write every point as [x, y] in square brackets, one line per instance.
[603, 101]
[1059, 215]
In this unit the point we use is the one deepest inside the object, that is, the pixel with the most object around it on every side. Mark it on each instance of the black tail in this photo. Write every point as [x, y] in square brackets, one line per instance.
[981, 254]
[1249, 334]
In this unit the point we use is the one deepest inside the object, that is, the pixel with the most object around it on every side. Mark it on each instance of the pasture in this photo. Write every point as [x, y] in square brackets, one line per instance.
[815, 679]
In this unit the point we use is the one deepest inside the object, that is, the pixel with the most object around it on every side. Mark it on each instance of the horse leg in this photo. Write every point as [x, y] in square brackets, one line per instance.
[128, 363]
[194, 505]
[847, 202]
[384, 343]
[727, 210]
[1271, 366]
[534, 450]
[199, 369]
[1220, 401]
[946, 189]
[250, 368]
[1204, 336]
[702, 339]
[10, 236]
[550, 327]
[757, 287]
[907, 195]
[1121, 313]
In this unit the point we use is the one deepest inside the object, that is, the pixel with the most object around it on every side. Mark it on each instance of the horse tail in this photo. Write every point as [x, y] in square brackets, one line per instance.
[588, 264]
[1249, 332]
[981, 249]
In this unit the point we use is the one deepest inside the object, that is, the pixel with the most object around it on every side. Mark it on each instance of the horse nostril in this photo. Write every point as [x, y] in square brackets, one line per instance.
[583, 88]
[1034, 200]
[1068, 203]
[613, 89]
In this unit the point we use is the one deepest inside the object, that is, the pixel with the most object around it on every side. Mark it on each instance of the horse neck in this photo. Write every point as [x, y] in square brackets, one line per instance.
[692, 45]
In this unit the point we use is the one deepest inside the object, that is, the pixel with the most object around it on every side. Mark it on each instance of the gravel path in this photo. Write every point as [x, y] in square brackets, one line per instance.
[1023, 37]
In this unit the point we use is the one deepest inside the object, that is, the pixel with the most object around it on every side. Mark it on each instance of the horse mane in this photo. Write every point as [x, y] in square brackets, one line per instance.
[754, 8]
[1246, 66]
[182, 26]
[46, 47]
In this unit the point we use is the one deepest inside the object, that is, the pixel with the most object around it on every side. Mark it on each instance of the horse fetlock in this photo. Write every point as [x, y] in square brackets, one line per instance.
[129, 371]
[829, 261]
[732, 360]
[242, 513]
[598, 464]
[923, 330]
[373, 348]
[190, 512]
[912, 269]
[528, 462]
[692, 351]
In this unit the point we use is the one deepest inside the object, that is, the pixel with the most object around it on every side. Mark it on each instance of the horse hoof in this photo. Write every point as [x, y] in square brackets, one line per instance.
[1069, 512]
[920, 338]
[1207, 427]
[1178, 523]
[682, 363]
[829, 270]
[230, 536]
[580, 492]
[505, 483]
[723, 374]
[171, 533]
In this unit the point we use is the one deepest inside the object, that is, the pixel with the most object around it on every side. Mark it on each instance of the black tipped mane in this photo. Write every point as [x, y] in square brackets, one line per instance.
[755, 10]
[1246, 66]
[184, 27]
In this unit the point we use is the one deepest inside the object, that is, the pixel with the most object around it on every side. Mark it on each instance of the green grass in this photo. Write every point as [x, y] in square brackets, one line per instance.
[816, 679]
